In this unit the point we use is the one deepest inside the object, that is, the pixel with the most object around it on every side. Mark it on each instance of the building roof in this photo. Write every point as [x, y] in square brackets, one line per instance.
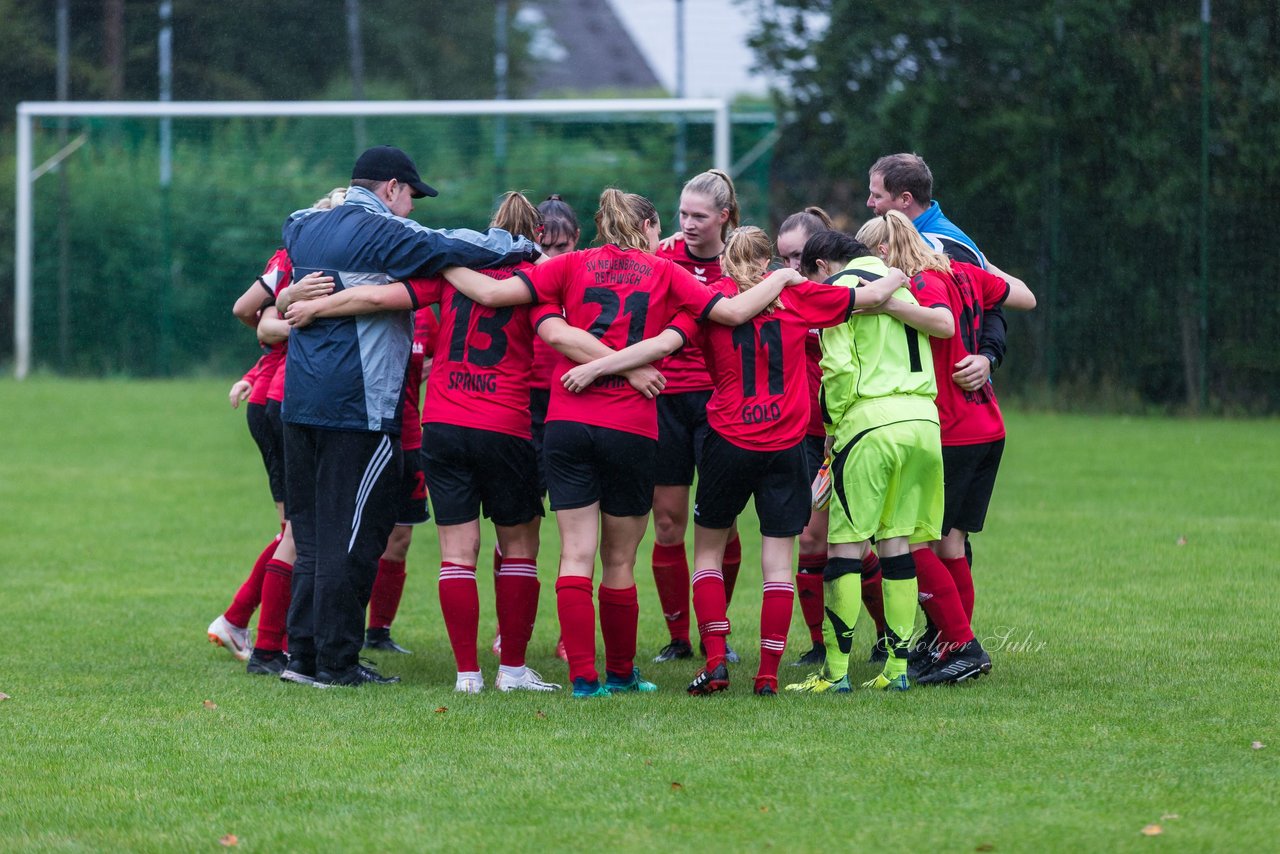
[580, 46]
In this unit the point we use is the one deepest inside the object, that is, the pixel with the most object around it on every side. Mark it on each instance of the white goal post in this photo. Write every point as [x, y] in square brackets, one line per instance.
[28, 172]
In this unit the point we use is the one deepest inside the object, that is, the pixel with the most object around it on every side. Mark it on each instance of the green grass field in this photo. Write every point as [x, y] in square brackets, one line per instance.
[1126, 590]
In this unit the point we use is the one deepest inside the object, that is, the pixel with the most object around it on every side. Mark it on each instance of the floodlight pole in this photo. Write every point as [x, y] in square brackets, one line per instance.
[1204, 204]
[64, 195]
[500, 63]
[165, 55]
[681, 163]
[355, 44]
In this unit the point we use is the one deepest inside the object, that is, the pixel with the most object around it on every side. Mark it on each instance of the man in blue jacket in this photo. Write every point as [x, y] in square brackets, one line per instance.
[904, 182]
[343, 392]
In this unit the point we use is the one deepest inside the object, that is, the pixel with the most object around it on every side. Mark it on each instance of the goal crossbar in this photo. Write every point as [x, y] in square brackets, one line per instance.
[28, 111]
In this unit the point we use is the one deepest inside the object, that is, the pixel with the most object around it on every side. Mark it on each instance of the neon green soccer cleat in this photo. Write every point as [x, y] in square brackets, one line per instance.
[818, 683]
[884, 683]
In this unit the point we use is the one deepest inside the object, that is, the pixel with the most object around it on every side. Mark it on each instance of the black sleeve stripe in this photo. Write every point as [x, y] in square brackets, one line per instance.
[1008, 289]
[547, 316]
[413, 297]
[853, 303]
[706, 312]
[684, 338]
[941, 305]
[271, 295]
[533, 293]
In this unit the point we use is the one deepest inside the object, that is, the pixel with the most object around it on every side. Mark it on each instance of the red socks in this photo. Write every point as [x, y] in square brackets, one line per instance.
[775, 620]
[619, 620]
[517, 595]
[940, 600]
[246, 600]
[963, 577]
[384, 601]
[276, 595]
[709, 601]
[731, 564]
[809, 588]
[577, 614]
[872, 591]
[671, 575]
[460, 604]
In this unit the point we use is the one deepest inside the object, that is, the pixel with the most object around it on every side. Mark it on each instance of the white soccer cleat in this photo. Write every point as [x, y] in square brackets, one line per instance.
[529, 680]
[469, 683]
[233, 639]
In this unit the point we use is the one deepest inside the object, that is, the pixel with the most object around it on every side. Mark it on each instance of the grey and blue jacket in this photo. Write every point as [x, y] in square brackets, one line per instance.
[348, 373]
[943, 235]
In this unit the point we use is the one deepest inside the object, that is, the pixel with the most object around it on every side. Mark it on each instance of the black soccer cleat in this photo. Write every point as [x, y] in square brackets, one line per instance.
[299, 672]
[710, 682]
[729, 654]
[960, 665]
[815, 657]
[677, 650]
[765, 688]
[380, 641]
[879, 650]
[353, 677]
[266, 662]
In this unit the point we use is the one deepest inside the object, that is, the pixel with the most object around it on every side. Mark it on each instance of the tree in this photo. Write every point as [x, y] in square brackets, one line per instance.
[1065, 138]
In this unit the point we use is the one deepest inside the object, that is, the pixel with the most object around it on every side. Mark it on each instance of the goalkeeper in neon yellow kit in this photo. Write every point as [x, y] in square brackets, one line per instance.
[886, 453]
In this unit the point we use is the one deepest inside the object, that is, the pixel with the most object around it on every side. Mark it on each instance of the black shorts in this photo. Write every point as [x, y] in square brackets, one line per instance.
[813, 454]
[682, 428]
[730, 475]
[539, 398]
[413, 491]
[269, 437]
[969, 475]
[469, 469]
[586, 464]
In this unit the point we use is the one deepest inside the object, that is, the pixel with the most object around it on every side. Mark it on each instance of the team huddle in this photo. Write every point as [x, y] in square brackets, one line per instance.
[846, 391]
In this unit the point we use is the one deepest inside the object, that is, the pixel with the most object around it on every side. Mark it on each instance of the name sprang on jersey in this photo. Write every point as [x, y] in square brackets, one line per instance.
[481, 362]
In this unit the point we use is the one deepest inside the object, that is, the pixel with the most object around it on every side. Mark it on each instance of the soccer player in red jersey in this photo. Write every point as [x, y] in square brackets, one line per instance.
[972, 430]
[559, 234]
[792, 234]
[601, 444]
[477, 452]
[758, 415]
[708, 212]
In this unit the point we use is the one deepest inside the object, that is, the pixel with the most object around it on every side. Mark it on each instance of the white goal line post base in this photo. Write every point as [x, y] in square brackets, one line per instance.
[28, 111]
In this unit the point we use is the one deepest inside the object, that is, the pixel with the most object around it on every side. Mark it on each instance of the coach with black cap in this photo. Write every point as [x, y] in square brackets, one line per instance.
[342, 401]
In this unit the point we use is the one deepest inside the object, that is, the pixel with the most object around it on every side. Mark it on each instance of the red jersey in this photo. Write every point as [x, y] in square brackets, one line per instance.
[276, 277]
[966, 417]
[758, 403]
[481, 361]
[621, 296]
[813, 369]
[544, 363]
[425, 327]
[686, 369]
[259, 376]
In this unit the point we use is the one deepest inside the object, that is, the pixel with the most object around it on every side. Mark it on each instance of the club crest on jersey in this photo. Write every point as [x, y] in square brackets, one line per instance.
[700, 273]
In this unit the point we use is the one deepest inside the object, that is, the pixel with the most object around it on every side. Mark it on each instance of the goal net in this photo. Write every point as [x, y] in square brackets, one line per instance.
[139, 223]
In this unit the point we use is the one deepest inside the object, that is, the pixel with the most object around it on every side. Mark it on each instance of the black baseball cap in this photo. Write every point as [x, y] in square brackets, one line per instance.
[384, 162]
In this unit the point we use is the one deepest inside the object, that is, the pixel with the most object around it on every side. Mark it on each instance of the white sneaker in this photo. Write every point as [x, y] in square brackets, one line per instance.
[233, 639]
[469, 683]
[529, 680]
